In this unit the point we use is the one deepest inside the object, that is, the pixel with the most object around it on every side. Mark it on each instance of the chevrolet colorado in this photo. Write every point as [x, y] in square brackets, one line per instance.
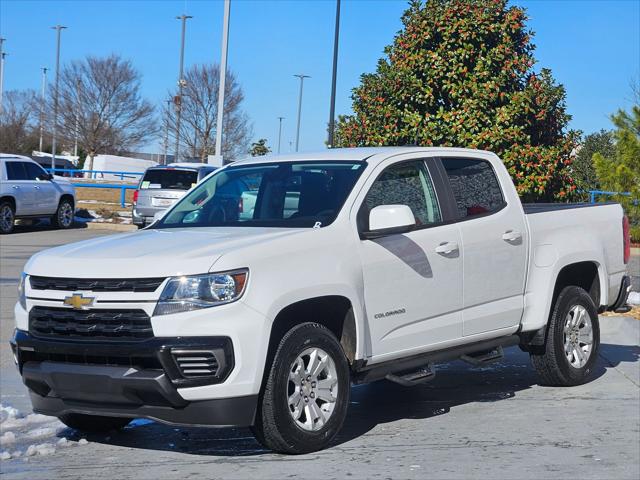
[348, 266]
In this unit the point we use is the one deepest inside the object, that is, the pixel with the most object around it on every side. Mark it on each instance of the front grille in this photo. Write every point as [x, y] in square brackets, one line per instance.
[196, 363]
[94, 324]
[96, 285]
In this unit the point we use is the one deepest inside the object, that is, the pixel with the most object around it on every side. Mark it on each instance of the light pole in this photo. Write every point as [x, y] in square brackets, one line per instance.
[332, 108]
[58, 29]
[279, 133]
[301, 76]
[42, 99]
[223, 77]
[181, 83]
[77, 126]
[1, 71]
[166, 132]
[2, 55]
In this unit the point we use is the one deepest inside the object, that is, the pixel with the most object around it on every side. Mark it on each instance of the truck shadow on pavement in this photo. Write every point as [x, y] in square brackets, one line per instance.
[371, 405]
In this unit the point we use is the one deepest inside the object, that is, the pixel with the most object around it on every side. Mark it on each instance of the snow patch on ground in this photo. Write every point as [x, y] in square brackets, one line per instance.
[31, 435]
[634, 298]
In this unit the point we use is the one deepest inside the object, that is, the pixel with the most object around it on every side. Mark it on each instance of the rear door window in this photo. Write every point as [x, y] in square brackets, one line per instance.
[16, 171]
[475, 186]
[168, 179]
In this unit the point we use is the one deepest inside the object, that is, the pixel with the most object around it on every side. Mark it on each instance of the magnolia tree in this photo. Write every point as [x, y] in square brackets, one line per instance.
[459, 73]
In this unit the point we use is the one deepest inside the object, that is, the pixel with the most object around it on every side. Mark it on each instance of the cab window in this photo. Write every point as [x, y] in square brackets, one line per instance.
[475, 186]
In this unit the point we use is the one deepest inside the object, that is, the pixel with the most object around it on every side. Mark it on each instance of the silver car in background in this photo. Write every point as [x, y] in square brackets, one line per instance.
[161, 186]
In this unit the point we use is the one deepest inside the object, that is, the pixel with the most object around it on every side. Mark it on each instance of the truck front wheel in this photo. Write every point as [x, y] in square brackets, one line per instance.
[93, 423]
[304, 401]
[573, 340]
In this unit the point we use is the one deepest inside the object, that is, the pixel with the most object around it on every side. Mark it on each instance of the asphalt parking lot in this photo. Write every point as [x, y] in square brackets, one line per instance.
[489, 422]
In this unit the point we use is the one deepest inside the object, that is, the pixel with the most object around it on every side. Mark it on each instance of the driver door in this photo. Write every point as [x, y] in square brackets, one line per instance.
[412, 281]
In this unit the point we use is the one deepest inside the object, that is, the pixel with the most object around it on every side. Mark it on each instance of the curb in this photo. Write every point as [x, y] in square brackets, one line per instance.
[117, 227]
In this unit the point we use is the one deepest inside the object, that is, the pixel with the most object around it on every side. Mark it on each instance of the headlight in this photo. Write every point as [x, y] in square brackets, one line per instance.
[183, 294]
[22, 296]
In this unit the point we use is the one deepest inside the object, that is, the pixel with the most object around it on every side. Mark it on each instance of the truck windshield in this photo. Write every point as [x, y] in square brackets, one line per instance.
[287, 194]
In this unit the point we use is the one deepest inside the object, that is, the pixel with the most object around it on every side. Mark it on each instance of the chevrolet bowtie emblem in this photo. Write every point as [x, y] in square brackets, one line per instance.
[78, 301]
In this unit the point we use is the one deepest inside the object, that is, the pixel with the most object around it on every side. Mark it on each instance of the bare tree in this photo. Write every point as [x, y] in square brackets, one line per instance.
[199, 105]
[19, 122]
[100, 102]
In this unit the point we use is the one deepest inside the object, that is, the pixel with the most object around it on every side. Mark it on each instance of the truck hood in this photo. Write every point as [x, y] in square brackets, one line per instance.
[149, 253]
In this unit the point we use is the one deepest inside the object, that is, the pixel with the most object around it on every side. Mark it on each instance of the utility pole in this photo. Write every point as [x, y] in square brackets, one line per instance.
[42, 100]
[279, 133]
[223, 77]
[301, 76]
[166, 132]
[332, 108]
[77, 126]
[58, 29]
[181, 84]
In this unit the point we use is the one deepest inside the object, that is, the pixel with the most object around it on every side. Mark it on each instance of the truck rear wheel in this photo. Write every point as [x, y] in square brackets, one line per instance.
[93, 423]
[304, 401]
[573, 340]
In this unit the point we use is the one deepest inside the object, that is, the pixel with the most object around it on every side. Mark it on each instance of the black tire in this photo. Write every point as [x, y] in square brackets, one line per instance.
[551, 363]
[275, 427]
[8, 220]
[61, 219]
[93, 423]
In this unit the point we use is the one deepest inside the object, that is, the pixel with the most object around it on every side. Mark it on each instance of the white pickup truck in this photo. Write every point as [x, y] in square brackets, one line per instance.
[394, 260]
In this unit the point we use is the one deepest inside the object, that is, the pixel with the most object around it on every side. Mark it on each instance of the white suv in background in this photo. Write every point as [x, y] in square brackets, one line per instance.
[29, 191]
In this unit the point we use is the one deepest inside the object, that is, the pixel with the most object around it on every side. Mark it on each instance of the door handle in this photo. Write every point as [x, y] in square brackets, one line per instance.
[446, 248]
[511, 236]
[17, 187]
[37, 187]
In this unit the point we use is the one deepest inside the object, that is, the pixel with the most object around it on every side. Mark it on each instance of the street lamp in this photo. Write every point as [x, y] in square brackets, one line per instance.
[223, 76]
[166, 132]
[58, 29]
[301, 76]
[332, 108]
[1, 71]
[279, 133]
[42, 100]
[181, 83]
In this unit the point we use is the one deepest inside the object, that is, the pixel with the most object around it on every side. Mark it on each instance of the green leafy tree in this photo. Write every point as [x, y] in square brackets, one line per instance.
[582, 168]
[259, 148]
[459, 73]
[620, 171]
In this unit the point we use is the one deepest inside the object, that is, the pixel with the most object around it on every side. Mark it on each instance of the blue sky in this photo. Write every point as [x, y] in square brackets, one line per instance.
[592, 47]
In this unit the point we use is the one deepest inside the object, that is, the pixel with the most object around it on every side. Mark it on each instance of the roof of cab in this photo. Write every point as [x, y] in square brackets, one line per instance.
[354, 154]
[183, 165]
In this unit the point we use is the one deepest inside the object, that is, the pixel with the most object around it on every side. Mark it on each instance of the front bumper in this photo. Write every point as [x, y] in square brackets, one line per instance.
[129, 379]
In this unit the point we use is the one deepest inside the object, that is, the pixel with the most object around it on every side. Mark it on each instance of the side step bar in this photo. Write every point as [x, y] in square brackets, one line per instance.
[409, 369]
[482, 358]
[416, 377]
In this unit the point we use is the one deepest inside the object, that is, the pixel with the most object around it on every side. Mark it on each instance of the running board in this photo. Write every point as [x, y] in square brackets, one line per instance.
[365, 373]
[416, 377]
[482, 358]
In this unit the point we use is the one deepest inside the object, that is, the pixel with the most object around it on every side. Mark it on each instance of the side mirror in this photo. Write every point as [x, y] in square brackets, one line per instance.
[389, 220]
[49, 176]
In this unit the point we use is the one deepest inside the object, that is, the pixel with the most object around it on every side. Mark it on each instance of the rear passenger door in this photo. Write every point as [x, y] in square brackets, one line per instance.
[493, 245]
[20, 187]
